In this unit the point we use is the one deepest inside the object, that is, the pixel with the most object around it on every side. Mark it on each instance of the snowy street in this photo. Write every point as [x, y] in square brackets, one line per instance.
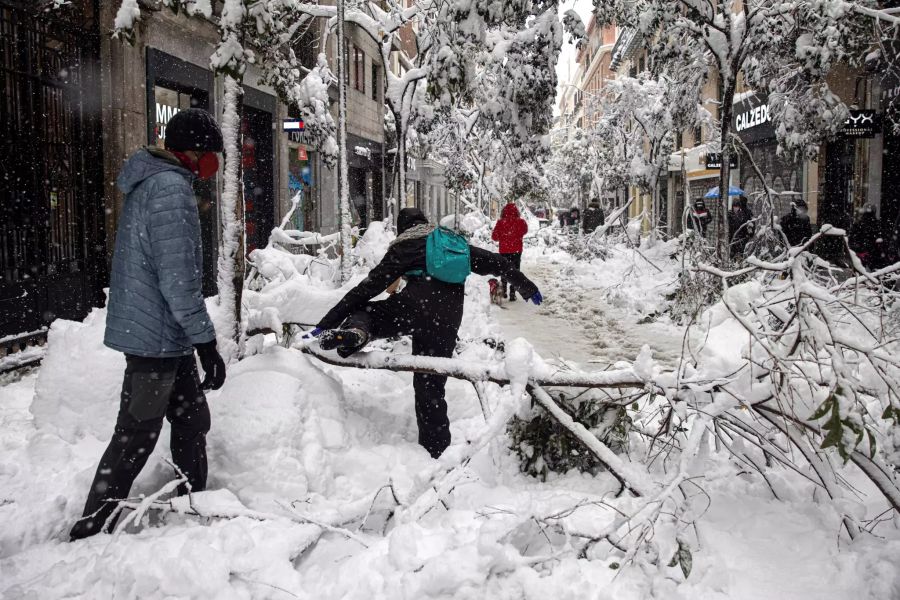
[295, 443]
[253, 344]
[581, 323]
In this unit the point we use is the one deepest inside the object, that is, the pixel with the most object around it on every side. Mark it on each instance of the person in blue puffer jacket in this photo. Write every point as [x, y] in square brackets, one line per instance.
[157, 317]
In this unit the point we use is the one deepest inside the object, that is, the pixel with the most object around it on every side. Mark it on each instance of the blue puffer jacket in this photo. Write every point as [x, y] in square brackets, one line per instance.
[155, 301]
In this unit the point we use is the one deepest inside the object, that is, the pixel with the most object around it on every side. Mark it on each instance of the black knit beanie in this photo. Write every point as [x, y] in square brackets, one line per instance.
[409, 217]
[193, 129]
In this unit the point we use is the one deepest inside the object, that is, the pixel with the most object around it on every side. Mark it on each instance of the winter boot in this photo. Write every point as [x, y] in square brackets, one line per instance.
[346, 341]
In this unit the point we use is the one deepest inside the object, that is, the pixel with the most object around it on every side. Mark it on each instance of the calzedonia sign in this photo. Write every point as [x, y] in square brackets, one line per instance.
[752, 120]
[752, 117]
[714, 160]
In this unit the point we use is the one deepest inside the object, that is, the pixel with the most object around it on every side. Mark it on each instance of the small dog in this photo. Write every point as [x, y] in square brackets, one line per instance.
[496, 292]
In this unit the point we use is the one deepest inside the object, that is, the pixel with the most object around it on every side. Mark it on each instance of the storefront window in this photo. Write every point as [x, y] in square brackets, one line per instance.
[168, 103]
[300, 186]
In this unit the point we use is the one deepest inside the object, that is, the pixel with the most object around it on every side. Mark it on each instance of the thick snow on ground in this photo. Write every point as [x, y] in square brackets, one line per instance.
[293, 439]
[598, 312]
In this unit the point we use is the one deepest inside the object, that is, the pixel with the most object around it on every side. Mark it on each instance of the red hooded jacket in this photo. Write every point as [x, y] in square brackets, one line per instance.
[510, 230]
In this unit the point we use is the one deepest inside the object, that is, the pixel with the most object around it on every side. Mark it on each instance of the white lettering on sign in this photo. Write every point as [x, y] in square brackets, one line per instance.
[753, 117]
[164, 114]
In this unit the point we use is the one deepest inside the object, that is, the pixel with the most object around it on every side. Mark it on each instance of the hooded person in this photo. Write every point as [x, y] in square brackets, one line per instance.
[593, 217]
[157, 317]
[574, 217]
[428, 309]
[508, 233]
[796, 225]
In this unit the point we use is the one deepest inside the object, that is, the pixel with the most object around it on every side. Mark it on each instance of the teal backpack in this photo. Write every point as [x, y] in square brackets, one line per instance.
[446, 256]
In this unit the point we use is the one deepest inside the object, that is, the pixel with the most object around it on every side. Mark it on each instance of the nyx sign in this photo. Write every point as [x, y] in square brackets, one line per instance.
[861, 124]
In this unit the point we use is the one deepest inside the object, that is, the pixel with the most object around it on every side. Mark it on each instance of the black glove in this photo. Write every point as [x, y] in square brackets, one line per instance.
[213, 366]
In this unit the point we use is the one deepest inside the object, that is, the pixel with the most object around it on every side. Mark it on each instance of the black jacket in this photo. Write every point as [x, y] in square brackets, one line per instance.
[593, 218]
[797, 228]
[438, 304]
[699, 220]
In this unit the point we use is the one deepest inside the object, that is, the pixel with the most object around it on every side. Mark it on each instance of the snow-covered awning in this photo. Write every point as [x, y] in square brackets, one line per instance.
[694, 158]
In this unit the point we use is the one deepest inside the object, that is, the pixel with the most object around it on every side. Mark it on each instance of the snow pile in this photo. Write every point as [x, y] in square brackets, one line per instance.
[635, 281]
[300, 288]
[75, 351]
[339, 501]
[279, 396]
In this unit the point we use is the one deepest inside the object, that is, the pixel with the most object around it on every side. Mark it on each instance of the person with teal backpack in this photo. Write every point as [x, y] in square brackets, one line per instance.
[435, 263]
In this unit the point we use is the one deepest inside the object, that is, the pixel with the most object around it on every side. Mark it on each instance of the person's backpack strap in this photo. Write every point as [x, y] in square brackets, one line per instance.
[447, 256]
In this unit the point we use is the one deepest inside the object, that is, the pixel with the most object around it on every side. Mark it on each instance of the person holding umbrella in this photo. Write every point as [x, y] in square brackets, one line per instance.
[740, 219]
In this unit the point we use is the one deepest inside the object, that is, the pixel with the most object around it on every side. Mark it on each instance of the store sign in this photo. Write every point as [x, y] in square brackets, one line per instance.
[861, 124]
[752, 120]
[301, 137]
[890, 78]
[164, 114]
[714, 161]
[292, 125]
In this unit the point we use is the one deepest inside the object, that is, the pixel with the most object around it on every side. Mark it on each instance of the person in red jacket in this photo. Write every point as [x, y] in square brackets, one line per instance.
[509, 231]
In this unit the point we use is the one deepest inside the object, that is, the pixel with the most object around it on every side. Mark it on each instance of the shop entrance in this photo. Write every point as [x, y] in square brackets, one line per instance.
[257, 160]
[890, 179]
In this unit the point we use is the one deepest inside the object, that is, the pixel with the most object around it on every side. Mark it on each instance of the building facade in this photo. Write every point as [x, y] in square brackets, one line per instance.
[76, 103]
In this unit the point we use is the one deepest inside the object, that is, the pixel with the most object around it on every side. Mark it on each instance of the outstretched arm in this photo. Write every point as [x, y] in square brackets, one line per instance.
[394, 264]
[489, 263]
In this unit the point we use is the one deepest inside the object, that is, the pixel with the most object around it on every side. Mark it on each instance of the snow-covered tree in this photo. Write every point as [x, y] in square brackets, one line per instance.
[249, 30]
[641, 117]
[783, 48]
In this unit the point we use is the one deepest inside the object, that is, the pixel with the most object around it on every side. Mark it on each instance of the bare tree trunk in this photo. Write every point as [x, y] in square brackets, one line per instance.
[401, 151]
[720, 214]
[343, 183]
[231, 258]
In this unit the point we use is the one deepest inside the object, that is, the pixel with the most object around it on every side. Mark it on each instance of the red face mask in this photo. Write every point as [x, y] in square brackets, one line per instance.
[204, 167]
[207, 165]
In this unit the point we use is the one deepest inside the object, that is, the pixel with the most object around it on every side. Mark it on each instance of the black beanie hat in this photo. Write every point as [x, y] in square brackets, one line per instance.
[193, 129]
[409, 217]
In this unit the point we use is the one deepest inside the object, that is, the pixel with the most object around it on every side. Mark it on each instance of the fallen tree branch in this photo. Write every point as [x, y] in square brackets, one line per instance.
[476, 372]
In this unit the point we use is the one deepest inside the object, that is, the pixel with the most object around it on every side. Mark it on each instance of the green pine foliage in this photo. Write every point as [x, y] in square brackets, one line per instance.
[544, 446]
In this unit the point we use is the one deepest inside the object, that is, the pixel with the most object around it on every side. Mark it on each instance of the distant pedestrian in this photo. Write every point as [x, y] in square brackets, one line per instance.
[699, 217]
[563, 217]
[593, 217]
[740, 226]
[574, 218]
[796, 225]
[156, 315]
[867, 240]
[508, 232]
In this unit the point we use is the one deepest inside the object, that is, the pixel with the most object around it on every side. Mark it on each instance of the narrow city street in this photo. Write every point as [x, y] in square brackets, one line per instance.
[580, 324]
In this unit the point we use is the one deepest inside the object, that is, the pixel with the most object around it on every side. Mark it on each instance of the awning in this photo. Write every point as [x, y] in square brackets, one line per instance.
[694, 159]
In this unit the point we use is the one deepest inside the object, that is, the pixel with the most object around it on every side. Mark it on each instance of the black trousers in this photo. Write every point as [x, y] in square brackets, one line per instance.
[153, 388]
[395, 317]
[515, 259]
